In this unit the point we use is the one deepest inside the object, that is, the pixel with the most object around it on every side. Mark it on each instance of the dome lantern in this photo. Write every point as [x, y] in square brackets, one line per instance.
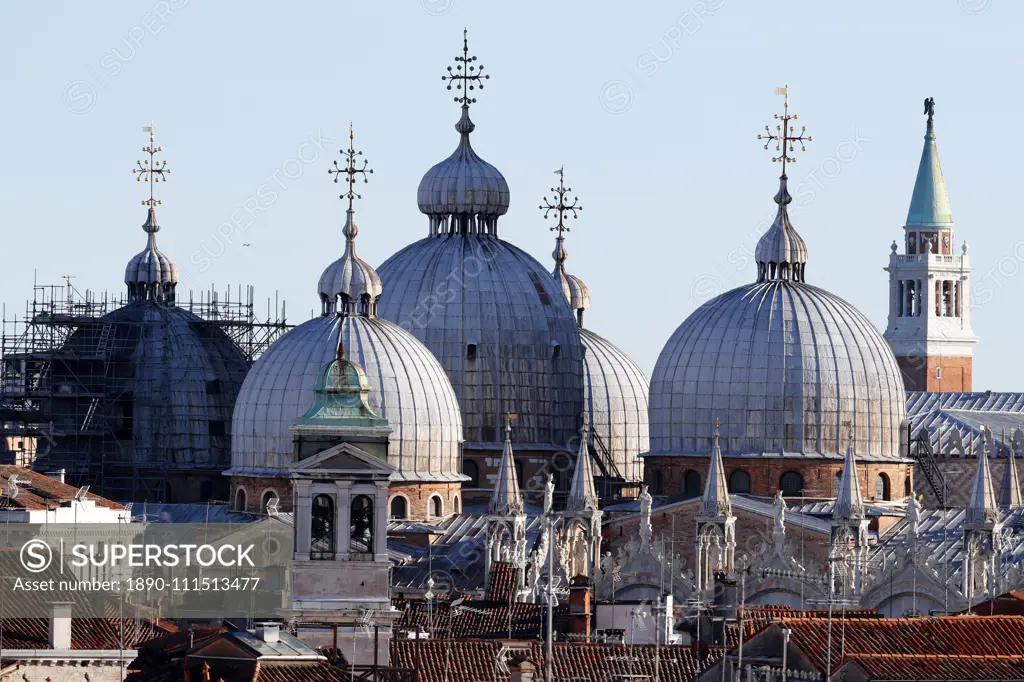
[781, 253]
[150, 274]
[464, 194]
[349, 285]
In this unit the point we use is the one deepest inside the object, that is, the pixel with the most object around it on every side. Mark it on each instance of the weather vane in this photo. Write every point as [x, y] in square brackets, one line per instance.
[560, 207]
[469, 77]
[350, 169]
[785, 135]
[156, 171]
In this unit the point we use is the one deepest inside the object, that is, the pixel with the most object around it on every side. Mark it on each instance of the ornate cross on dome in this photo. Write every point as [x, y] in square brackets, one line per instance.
[465, 76]
[350, 170]
[155, 171]
[560, 206]
[785, 134]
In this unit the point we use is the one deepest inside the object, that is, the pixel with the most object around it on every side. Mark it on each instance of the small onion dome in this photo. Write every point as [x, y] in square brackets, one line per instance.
[151, 274]
[781, 252]
[463, 193]
[576, 292]
[349, 284]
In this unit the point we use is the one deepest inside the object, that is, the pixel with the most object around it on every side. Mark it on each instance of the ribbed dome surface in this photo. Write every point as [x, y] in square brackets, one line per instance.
[151, 266]
[575, 290]
[409, 389]
[783, 365]
[162, 364]
[350, 275]
[615, 391]
[503, 333]
[463, 184]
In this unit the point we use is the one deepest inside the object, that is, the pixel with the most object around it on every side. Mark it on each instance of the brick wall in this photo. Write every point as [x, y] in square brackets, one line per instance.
[765, 474]
[919, 373]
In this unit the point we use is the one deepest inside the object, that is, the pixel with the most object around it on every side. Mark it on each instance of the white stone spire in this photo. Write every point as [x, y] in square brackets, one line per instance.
[1009, 493]
[982, 508]
[506, 499]
[715, 501]
[849, 504]
[582, 492]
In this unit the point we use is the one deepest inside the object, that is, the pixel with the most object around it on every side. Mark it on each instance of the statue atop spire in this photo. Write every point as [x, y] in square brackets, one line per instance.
[929, 108]
[781, 253]
[465, 76]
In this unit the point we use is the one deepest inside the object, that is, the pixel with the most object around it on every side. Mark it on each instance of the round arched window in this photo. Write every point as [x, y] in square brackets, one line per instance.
[791, 484]
[882, 489]
[399, 508]
[739, 482]
[691, 484]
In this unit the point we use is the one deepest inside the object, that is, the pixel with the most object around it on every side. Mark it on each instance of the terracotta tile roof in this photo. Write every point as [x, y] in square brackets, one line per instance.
[472, 660]
[909, 667]
[1008, 604]
[504, 577]
[241, 671]
[941, 636]
[36, 490]
[480, 619]
[757, 618]
[86, 633]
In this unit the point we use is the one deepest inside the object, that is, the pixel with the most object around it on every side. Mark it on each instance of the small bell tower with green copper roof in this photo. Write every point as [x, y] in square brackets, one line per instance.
[929, 327]
[341, 412]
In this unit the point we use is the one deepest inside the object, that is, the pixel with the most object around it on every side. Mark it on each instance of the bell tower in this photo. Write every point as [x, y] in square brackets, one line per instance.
[929, 327]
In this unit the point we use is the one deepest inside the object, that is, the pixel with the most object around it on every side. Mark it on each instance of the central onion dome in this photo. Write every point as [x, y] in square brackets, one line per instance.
[409, 387]
[489, 311]
[783, 364]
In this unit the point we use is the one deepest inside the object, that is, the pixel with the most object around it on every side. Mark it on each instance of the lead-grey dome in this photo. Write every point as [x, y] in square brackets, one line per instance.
[615, 394]
[463, 192]
[409, 389]
[783, 364]
[503, 332]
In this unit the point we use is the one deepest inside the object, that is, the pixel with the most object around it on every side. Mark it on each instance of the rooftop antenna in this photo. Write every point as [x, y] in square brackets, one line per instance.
[81, 493]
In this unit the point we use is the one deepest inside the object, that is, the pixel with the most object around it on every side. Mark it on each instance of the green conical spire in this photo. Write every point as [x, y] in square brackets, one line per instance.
[929, 205]
[341, 398]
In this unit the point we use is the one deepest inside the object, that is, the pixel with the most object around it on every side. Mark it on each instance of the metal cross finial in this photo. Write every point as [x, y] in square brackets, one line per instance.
[156, 171]
[350, 169]
[560, 206]
[785, 134]
[470, 77]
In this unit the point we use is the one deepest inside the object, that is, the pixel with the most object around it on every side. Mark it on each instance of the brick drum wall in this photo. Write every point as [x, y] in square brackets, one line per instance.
[417, 496]
[765, 473]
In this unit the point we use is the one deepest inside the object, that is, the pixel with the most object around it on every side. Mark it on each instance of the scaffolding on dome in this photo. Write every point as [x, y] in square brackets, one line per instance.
[69, 395]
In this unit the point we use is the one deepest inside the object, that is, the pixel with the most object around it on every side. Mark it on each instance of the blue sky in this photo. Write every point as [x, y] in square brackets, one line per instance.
[652, 107]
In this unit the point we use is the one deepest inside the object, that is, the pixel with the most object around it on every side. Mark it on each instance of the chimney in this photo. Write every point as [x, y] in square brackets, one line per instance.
[60, 626]
[725, 605]
[57, 475]
[269, 632]
[521, 670]
[579, 606]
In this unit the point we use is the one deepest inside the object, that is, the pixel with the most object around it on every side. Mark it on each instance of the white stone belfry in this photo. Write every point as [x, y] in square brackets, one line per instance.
[582, 516]
[716, 526]
[506, 521]
[983, 546]
[849, 544]
[929, 327]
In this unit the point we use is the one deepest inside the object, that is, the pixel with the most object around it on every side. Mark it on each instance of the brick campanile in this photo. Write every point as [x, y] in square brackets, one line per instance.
[929, 326]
